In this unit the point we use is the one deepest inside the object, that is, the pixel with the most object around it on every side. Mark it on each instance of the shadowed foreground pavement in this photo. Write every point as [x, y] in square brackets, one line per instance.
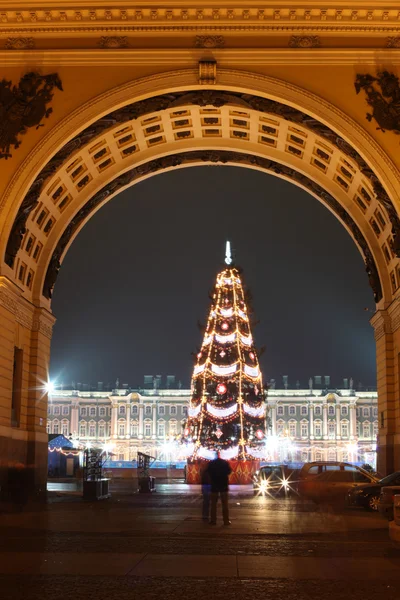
[138, 546]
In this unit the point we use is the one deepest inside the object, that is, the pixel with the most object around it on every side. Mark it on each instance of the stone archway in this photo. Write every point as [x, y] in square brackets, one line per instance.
[168, 122]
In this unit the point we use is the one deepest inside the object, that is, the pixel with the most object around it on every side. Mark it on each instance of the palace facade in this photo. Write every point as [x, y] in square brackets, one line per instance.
[304, 425]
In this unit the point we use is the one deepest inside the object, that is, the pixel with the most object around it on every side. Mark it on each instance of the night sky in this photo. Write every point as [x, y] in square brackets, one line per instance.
[136, 280]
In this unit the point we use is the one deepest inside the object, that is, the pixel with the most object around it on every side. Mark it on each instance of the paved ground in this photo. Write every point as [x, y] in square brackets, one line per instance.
[138, 546]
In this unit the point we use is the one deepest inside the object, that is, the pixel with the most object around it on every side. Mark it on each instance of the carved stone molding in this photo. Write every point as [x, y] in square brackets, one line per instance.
[20, 43]
[115, 41]
[28, 15]
[214, 157]
[305, 41]
[207, 72]
[201, 97]
[209, 41]
[393, 42]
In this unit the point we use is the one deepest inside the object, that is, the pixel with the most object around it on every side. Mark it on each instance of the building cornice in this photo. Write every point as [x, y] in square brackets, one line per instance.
[181, 57]
[91, 16]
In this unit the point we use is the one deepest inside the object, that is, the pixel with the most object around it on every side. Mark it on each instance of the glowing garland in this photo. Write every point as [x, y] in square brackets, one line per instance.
[221, 412]
[251, 371]
[254, 411]
[230, 453]
[193, 412]
[225, 339]
[256, 453]
[224, 371]
[204, 452]
[199, 369]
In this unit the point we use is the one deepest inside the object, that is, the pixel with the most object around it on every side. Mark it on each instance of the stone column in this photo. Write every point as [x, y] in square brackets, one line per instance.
[325, 420]
[155, 419]
[75, 417]
[353, 423]
[25, 335]
[128, 418]
[141, 409]
[311, 418]
[273, 418]
[338, 430]
[387, 360]
[114, 417]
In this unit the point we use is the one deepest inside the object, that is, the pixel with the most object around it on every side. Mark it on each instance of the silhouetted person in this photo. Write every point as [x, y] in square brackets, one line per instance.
[206, 491]
[219, 471]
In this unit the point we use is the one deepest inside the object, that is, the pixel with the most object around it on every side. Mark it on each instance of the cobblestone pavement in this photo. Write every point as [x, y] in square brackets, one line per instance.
[135, 546]
[154, 588]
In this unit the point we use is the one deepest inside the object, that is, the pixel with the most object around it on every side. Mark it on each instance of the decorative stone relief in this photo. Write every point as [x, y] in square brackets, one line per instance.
[21, 43]
[202, 97]
[114, 41]
[209, 41]
[393, 42]
[385, 102]
[207, 72]
[304, 41]
[24, 106]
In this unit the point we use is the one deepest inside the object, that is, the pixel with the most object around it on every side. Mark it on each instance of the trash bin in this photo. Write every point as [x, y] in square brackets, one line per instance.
[147, 485]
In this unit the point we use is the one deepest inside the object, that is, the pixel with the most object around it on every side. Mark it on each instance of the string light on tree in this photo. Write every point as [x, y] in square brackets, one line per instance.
[227, 410]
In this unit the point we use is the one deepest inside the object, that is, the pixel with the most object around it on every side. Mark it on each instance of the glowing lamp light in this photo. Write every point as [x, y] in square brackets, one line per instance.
[186, 431]
[49, 387]
[224, 326]
[252, 355]
[199, 355]
[259, 434]
[221, 388]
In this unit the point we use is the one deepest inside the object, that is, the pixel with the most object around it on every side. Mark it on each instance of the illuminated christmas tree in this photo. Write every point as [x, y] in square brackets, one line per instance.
[227, 410]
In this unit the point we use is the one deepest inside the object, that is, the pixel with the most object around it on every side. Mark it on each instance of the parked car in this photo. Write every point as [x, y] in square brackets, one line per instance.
[332, 485]
[368, 495]
[386, 500]
[394, 526]
[312, 469]
[275, 480]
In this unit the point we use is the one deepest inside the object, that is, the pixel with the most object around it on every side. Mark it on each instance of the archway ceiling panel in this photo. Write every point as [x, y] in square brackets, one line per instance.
[88, 170]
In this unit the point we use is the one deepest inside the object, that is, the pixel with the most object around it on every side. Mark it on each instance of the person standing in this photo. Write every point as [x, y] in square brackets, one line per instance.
[218, 471]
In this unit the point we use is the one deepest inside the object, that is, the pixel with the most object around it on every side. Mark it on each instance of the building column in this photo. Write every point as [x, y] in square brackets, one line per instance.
[338, 430]
[25, 336]
[353, 423]
[128, 418]
[141, 409]
[114, 418]
[325, 420]
[155, 420]
[273, 419]
[311, 432]
[75, 418]
[388, 363]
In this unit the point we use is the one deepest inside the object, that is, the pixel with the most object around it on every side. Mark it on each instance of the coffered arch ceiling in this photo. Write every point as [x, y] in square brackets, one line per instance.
[192, 126]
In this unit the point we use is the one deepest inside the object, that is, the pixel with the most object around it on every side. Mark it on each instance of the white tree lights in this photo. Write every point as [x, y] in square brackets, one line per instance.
[227, 410]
